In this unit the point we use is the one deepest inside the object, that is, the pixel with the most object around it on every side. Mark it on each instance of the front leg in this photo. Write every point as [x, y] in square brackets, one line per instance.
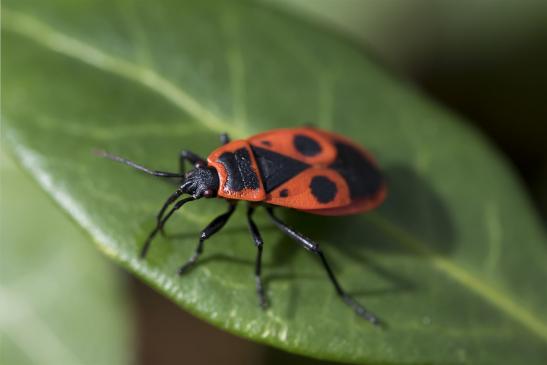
[224, 138]
[191, 157]
[162, 221]
[196, 161]
[210, 230]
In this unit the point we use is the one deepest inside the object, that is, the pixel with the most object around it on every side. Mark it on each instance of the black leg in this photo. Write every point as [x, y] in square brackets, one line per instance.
[257, 238]
[191, 157]
[224, 138]
[309, 245]
[136, 165]
[183, 156]
[160, 224]
[210, 230]
[168, 202]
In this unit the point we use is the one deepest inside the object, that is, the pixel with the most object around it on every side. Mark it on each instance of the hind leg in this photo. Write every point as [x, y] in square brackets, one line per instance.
[311, 246]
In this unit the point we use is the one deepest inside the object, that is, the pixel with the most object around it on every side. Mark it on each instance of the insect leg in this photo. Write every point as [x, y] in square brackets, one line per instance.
[168, 202]
[257, 238]
[224, 138]
[183, 156]
[309, 245]
[136, 165]
[191, 157]
[210, 230]
[160, 224]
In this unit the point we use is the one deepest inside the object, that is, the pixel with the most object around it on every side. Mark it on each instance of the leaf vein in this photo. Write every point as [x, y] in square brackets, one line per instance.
[55, 40]
[460, 275]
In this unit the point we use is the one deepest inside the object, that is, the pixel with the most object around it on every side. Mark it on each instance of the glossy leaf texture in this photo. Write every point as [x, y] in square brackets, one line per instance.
[60, 301]
[454, 261]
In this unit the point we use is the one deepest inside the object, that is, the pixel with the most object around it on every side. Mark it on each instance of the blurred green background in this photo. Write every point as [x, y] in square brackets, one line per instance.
[484, 60]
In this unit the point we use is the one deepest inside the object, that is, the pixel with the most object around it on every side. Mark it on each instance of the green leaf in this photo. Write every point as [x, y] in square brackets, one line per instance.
[59, 300]
[454, 261]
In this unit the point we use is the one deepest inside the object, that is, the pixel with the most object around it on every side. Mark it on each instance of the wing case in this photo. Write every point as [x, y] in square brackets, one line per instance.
[317, 171]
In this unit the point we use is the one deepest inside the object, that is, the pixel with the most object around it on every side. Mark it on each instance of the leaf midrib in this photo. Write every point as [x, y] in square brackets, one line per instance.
[48, 37]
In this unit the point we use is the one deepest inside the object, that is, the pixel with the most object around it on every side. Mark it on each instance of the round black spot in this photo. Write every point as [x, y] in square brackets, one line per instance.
[266, 143]
[306, 145]
[284, 193]
[323, 189]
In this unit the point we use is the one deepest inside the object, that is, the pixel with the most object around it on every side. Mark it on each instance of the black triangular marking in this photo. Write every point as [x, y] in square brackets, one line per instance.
[276, 168]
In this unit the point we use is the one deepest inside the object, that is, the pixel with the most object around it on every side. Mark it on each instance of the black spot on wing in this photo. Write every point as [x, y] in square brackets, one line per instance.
[306, 145]
[363, 178]
[276, 168]
[284, 193]
[240, 170]
[323, 189]
[266, 143]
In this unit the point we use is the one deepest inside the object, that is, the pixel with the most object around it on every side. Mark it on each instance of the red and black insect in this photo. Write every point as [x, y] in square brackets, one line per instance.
[307, 169]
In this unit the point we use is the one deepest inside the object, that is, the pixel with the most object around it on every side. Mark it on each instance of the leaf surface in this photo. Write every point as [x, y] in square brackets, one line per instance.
[454, 261]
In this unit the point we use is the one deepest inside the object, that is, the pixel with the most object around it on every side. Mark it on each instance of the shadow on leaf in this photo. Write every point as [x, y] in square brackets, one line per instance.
[412, 207]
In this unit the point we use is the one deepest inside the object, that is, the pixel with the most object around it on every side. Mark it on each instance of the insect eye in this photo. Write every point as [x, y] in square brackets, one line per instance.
[208, 193]
[199, 165]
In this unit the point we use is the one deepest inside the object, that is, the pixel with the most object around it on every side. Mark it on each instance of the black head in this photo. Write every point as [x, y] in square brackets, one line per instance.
[201, 182]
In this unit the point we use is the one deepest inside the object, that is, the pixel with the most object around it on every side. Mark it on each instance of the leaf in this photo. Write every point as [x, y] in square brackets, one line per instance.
[454, 261]
[59, 300]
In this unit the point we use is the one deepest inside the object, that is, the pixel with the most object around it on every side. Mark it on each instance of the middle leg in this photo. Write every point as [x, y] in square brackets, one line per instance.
[257, 238]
